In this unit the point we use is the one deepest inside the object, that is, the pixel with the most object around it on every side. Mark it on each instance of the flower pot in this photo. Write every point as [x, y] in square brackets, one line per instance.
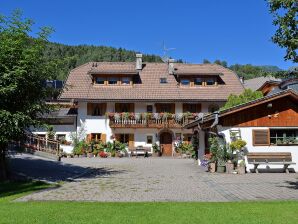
[241, 169]
[229, 167]
[221, 169]
[212, 167]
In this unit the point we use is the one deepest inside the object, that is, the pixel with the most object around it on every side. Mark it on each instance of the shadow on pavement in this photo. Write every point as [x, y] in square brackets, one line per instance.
[36, 168]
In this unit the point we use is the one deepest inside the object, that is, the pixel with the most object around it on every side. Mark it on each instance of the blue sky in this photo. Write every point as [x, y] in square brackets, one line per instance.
[237, 31]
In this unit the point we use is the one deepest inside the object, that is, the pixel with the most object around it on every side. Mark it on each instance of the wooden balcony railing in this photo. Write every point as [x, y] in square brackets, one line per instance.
[36, 143]
[150, 121]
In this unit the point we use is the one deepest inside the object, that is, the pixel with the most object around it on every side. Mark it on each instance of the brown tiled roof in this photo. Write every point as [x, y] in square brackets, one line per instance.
[256, 83]
[79, 84]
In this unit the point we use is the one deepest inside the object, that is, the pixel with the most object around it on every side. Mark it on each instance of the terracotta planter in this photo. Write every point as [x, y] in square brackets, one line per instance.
[241, 169]
[221, 169]
[119, 155]
[212, 167]
[230, 167]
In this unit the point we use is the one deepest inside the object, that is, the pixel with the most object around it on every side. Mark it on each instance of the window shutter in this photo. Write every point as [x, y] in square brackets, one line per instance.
[89, 136]
[103, 138]
[261, 137]
[89, 109]
[131, 142]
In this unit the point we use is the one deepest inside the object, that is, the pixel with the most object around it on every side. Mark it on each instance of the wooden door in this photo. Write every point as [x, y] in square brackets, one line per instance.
[166, 143]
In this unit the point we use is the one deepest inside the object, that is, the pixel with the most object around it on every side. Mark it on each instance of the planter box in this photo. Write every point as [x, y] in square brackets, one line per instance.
[221, 169]
[241, 169]
[229, 168]
[212, 167]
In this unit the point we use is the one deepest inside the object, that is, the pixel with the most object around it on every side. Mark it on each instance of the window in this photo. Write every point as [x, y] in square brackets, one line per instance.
[125, 81]
[283, 136]
[96, 109]
[149, 139]
[163, 80]
[275, 137]
[210, 82]
[124, 107]
[192, 107]
[198, 81]
[96, 136]
[100, 80]
[61, 137]
[149, 108]
[113, 81]
[185, 82]
[165, 108]
[124, 138]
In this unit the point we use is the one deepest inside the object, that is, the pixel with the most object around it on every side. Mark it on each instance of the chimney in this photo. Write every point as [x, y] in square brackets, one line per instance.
[139, 63]
[171, 66]
[241, 79]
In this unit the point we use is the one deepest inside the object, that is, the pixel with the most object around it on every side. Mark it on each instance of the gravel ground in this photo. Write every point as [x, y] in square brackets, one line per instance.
[165, 179]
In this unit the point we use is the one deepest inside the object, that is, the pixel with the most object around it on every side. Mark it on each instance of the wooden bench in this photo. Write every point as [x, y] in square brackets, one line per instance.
[270, 158]
[139, 150]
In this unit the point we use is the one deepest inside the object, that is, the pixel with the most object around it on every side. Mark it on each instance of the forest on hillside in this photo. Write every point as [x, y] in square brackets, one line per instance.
[63, 58]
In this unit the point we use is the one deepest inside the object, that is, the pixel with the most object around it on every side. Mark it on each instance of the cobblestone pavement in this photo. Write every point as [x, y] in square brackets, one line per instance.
[166, 179]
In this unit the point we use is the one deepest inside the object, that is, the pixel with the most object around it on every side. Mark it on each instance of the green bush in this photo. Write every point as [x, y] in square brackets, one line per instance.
[237, 145]
[184, 147]
[80, 148]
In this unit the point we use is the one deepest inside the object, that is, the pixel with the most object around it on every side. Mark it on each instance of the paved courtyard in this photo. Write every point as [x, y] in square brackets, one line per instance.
[157, 179]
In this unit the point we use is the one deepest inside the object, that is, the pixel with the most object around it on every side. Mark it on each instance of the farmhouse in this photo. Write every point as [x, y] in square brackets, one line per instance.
[268, 124]
[141, 103]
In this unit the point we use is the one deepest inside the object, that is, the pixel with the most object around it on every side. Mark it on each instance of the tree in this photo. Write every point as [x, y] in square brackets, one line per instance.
[206, 61]
[222, 63]
[285, 13]
[246, 96]
[23, 69]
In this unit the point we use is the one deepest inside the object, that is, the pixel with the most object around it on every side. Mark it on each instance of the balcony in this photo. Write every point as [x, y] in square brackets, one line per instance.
[150, 120]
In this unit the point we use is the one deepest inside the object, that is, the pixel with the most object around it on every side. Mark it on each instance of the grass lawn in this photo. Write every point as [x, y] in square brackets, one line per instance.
[167, 212]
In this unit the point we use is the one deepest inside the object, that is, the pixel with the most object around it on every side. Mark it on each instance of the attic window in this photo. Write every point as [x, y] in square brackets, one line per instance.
[185, 82]
[163, 80]
[99, 80]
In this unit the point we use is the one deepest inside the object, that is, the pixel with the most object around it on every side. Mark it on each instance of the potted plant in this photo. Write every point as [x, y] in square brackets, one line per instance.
[214, 145]
[212, 164]
[156, 150]
[241, 167]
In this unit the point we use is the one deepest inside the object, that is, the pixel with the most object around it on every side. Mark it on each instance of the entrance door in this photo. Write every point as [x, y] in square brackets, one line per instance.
[166, 143]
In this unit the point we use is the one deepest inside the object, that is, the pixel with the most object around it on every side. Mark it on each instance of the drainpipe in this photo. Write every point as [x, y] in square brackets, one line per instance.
[215, 120]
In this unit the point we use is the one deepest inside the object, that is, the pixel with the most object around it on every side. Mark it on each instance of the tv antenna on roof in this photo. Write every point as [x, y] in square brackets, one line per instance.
[165, 58]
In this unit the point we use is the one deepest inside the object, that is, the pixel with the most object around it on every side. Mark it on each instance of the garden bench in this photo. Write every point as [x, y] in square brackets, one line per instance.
[270, 158]
[139, 150]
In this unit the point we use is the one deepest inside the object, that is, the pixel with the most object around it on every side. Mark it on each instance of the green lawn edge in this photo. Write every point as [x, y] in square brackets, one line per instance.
[137, 212]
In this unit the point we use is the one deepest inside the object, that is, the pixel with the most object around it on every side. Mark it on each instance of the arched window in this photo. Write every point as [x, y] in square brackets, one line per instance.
[212, 108]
